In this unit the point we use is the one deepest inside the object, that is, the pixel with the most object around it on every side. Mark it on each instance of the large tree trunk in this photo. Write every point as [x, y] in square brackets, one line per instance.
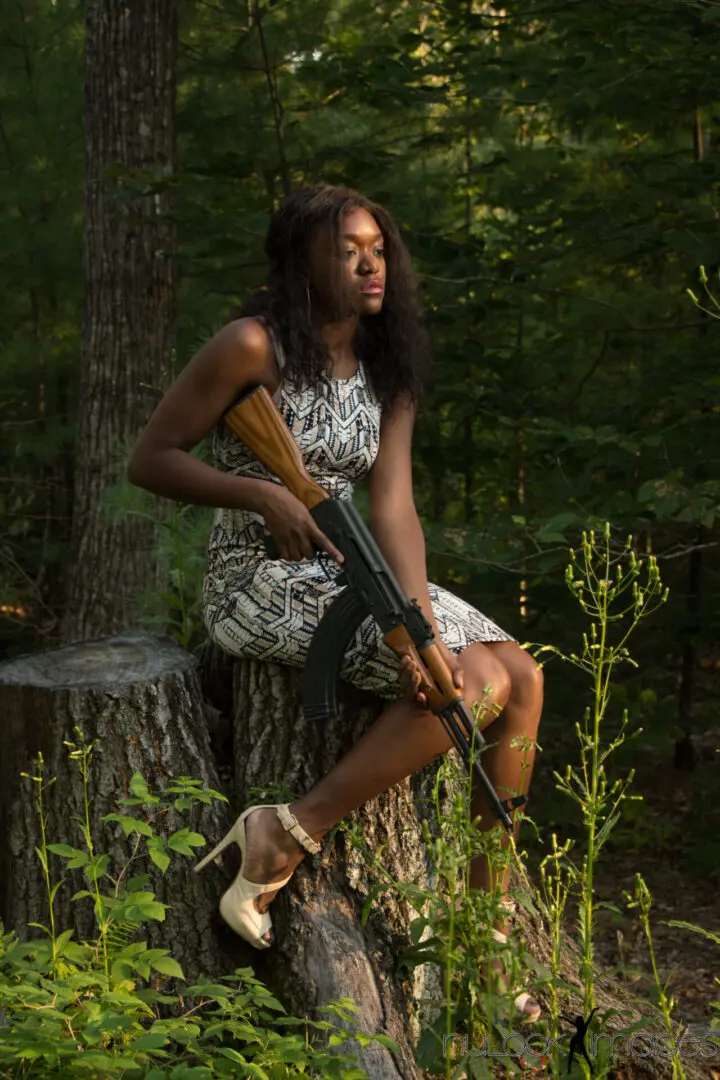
[138, 695]
[130, 62]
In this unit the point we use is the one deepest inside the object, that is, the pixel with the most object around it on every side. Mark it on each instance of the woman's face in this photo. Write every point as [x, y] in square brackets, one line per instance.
[357, 265]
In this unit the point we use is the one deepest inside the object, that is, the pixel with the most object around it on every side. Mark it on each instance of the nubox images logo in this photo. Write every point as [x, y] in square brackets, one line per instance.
[588, 1044]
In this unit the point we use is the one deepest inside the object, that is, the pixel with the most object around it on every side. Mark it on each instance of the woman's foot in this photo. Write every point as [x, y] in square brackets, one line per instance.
[272, 842]
[271, 854]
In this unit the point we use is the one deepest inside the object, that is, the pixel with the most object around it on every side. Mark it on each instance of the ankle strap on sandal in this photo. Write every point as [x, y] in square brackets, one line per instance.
[291, 824]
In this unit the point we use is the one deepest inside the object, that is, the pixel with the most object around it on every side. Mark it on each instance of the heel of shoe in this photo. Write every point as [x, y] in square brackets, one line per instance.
[225, 842]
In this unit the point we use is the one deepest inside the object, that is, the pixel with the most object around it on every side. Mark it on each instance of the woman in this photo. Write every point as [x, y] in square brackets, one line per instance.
[337, 337]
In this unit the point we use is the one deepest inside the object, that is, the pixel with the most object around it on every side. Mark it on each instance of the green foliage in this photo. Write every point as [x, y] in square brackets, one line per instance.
[112, 1007]
[477, 977]
[41, 194]
[616, 592]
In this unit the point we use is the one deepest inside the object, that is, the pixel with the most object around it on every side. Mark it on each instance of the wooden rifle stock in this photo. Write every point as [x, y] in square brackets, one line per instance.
[258, 423]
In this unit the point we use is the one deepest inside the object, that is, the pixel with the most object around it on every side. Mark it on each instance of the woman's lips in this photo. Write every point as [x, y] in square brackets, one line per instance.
[374, 288]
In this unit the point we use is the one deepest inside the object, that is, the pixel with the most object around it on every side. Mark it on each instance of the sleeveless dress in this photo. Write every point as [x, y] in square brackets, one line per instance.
[268, 609]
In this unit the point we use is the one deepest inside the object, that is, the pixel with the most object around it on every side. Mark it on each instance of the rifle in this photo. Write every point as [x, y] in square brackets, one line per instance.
[371, 589]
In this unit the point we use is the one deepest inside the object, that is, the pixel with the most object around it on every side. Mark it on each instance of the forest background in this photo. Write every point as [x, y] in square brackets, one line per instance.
[554, 167]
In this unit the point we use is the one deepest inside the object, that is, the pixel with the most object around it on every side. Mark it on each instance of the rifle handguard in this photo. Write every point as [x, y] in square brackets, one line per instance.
[440, 692]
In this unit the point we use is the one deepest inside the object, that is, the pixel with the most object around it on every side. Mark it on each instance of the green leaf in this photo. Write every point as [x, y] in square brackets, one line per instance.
[255, 1072]
[75, 855]
[159, 857]
[62, 941]
[152, 1040]
[233, 1055]
[53, 891]
[191, 1072]
[139, 788]
[130, 824]
[167, 966]
[120, 971]
[82, 893]
[387, 1042]
[98, 866]
[694, 929]
[138, 785]
[61, 849]
[184, 840]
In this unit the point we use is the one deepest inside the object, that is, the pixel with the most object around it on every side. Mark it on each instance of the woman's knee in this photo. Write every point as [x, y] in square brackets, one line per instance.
[527, 679]
[487, 680]
[526, 676]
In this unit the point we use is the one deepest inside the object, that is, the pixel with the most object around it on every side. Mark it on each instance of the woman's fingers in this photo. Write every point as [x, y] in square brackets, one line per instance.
[324, 544]
[407, 677]
[411, 679]
[303, 542]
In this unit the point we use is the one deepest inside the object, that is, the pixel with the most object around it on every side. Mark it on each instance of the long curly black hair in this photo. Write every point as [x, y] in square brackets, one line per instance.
[392, 344]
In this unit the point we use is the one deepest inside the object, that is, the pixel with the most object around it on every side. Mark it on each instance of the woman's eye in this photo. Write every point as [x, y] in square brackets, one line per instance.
[350, 253]
[380, 251]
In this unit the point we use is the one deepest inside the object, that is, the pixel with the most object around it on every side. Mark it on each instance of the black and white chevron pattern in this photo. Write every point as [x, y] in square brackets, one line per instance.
[269, 609]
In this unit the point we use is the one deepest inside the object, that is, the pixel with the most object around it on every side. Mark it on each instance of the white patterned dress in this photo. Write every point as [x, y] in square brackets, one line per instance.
[269, 608]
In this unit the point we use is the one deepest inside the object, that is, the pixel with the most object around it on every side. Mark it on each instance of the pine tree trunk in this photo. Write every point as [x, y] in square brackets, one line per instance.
[139, 697]
[130, 64]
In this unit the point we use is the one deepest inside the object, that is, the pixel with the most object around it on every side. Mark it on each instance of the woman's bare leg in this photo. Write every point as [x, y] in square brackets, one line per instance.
[502, 762]
[405, 738]
[402, 740]
[509, 769]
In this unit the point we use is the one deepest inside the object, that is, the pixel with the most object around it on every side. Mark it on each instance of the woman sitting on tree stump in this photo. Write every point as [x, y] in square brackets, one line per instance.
[337, 337]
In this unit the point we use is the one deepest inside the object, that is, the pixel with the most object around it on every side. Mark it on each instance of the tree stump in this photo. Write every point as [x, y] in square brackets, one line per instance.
[138, 695]
[323, 951]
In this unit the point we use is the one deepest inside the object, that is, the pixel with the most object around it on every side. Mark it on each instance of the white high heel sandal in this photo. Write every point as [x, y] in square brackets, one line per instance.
[532, 1015]
[237, 904]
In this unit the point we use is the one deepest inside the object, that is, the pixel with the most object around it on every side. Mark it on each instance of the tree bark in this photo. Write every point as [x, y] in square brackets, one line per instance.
[138, 695]
[130, 65]
[323, 951]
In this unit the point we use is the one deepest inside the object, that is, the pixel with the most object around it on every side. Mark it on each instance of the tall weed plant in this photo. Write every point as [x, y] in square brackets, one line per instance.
[471, 1015]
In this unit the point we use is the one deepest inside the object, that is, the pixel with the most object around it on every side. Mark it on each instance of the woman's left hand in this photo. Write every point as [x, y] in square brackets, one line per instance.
[411, 678]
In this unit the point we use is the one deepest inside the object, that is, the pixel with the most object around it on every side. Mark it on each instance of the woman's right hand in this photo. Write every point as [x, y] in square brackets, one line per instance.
[293, 527]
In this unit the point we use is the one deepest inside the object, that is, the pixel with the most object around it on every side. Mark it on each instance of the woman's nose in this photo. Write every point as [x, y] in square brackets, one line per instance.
[367, 263]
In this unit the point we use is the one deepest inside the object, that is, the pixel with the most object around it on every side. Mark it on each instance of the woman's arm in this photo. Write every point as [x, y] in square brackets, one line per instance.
[238, 356]
[396, 528]
[393, 518]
